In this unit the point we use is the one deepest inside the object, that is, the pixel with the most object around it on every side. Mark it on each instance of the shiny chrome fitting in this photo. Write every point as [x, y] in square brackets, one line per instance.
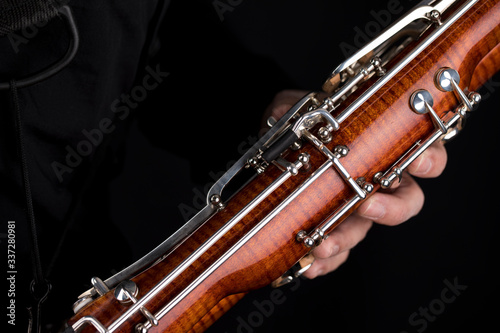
[216, 201]
[126, 291]
[421, 102]
[296, 145]
[257, 162]
[366, 186]
[386, 182]
[474, 97]
[377, 65]
[309, 242]
[324, 135]
[141, 328]
[447, 79]
[435, 16]
[301, 235]
[341, 151]
[304, 158]
[99, 286]
[297, 270]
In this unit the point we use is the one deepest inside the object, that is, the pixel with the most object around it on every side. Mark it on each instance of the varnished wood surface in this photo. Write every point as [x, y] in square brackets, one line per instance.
[216, 312]
[377, 134]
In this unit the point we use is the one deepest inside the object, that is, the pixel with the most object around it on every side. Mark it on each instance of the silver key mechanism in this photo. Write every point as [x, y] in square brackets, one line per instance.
[421, 102]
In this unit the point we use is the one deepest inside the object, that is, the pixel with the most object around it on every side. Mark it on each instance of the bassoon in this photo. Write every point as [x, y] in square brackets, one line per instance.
[413, 85]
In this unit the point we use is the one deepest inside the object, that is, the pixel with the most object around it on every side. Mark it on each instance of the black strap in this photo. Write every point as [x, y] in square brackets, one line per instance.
[14, 15]
[19, 14]
[53, 69]
[40, 287]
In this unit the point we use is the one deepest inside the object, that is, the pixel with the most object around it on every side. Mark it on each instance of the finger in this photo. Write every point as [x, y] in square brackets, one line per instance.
[334, 250]
[324, 266]
[344, 237]
[391, 209]
[282, 102]
[431, 163]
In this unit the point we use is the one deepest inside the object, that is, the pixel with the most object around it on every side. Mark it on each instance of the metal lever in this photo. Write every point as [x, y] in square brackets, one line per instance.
[126, 292]
[447, 79]
[421, 102]
[297, 270]
[100, 287]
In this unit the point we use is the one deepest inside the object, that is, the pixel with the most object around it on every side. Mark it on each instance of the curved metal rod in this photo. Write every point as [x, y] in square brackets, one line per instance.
[59, 65]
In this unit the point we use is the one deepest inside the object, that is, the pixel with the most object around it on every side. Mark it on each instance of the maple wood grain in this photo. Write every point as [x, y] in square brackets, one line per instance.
[377, 134]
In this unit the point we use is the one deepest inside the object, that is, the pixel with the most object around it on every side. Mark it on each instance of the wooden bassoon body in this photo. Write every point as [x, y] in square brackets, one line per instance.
[380, 109]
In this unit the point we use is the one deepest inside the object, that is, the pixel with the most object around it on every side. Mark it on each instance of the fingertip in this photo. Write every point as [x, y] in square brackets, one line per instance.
[431, 163]
[324, 266]
[372, 209]
[422, 166]
[401, 205]
[327, 249]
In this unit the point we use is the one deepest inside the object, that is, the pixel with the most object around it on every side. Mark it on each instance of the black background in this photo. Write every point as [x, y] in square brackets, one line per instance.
[396, 270]
[222, 75]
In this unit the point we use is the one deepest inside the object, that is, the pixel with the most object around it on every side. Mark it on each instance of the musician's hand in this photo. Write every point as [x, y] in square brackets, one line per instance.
[404, 201]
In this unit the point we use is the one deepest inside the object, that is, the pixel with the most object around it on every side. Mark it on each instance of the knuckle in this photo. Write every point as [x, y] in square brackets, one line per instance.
[407, 209]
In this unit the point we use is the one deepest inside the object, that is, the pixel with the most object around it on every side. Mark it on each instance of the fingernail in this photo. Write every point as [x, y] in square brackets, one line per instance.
[374, 210]
[423, 167]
